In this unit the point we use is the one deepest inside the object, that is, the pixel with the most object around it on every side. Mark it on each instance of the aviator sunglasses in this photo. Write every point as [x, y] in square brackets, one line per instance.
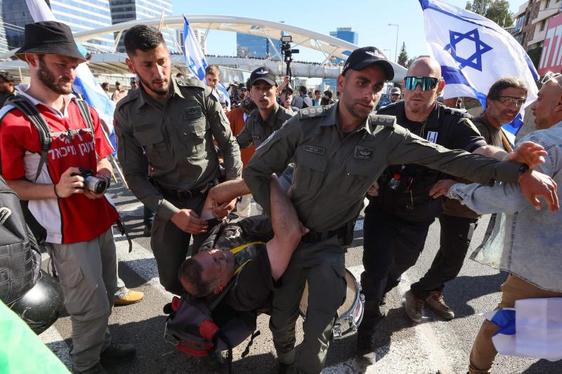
[425, 83]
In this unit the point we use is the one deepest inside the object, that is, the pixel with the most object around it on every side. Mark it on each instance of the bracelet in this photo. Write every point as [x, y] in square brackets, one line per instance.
[56, 193]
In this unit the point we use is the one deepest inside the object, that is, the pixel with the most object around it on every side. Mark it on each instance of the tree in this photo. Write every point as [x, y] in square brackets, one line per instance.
[403, 56]
[495, 10]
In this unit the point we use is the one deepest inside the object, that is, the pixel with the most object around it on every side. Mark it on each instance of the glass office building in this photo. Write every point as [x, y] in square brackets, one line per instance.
[80, 15]
[127, 10]
[256, 46]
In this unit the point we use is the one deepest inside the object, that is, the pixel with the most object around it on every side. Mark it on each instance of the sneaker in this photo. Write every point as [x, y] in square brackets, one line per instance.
[436, 303]
[413, 307]
[127, 298]
[96, 369]
[117, 353]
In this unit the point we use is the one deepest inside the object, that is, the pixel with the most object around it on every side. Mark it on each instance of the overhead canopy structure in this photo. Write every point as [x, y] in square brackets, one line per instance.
[328, 45]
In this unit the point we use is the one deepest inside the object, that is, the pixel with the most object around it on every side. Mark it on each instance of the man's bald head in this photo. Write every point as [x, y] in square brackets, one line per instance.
[548, 106]
[426, 65]
[420, 97]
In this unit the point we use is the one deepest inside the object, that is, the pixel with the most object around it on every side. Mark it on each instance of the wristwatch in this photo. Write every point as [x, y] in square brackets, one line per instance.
[523, 168]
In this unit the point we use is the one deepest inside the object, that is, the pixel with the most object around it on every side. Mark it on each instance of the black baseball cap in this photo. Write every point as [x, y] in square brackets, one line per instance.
[360, 58]
[263, 74]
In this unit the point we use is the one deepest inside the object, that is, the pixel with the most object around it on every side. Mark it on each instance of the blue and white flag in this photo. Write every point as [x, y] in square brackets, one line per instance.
[194, 58]
[474, 52]
[85, 83]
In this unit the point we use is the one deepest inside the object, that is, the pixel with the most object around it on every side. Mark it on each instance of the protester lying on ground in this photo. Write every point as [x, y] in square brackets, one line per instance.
[257, 265]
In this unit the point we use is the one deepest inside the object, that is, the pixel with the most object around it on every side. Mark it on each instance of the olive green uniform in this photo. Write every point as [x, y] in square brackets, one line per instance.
[256, 130]
[333, 172]
[175, 139]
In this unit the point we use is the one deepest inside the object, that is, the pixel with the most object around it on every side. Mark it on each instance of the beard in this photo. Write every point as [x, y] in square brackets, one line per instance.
[62, 86]
[160, 91]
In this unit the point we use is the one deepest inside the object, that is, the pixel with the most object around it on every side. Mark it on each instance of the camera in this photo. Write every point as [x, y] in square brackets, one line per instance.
[93, 183]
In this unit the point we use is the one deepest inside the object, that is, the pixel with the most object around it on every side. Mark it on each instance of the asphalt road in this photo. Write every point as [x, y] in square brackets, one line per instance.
[432, 346]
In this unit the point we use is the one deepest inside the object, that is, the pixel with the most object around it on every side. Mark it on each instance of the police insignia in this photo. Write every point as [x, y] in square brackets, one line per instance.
[316, 149]
[191, 113]
[362, 153]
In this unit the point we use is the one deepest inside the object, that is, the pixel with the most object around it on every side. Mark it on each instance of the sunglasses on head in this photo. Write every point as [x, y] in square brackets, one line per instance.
[550, 76]
[425, 83]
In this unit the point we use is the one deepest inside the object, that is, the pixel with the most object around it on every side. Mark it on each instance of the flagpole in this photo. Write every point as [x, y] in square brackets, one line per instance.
[396, 45]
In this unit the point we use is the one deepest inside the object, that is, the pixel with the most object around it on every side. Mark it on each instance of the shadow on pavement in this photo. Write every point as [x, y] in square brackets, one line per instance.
[461, 290]
[545, 367]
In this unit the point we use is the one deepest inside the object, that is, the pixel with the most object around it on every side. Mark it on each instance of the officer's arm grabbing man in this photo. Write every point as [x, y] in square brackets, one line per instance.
[339, 152]
[170, 125]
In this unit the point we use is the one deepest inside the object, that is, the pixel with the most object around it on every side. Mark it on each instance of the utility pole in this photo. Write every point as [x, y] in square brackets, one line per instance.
[396, 45]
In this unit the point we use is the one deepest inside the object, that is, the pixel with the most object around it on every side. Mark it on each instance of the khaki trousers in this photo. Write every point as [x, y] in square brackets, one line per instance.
[87, 272]
[483, 350]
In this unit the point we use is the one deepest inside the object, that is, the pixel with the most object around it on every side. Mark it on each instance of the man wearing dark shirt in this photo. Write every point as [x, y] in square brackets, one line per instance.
[239, 251]
[398, 219]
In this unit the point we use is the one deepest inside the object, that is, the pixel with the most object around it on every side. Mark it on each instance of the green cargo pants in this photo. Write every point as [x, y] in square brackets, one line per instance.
[322, 265]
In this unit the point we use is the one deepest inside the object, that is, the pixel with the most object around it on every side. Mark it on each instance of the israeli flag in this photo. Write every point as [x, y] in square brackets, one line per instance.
[474, 52]
[194, 57]
[85, 84]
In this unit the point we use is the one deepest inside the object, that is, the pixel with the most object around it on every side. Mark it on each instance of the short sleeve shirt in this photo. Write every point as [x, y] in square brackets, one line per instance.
[75, 218]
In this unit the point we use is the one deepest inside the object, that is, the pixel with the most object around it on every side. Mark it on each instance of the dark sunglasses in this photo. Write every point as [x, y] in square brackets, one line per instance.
[426, 83]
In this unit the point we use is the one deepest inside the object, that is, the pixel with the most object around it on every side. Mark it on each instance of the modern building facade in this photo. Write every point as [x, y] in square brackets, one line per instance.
[128, 10]
[256, 46]
[531, 23]
[80, 15]
[345, 33]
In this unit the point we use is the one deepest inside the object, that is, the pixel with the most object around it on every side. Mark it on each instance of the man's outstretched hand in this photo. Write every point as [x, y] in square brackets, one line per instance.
[529, 153]
[534, 185]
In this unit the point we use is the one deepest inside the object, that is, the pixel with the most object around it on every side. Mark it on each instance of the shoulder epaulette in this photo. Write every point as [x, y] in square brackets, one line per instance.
[131, 96]
[312, 112]
[381, 120]
[191, 82]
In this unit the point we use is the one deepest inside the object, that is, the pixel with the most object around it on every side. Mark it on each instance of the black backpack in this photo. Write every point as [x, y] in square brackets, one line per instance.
[20, 260]
[204, 326]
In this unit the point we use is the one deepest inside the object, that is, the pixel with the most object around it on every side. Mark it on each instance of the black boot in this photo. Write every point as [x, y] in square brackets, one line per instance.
[366, 329]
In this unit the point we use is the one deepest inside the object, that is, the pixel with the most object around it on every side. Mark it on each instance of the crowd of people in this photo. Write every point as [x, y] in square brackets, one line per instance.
[308, 159]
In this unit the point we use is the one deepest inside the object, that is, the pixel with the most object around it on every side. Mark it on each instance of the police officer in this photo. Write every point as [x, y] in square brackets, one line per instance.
[170, 125]
[398, 219]
[339, 151]
[268, 116]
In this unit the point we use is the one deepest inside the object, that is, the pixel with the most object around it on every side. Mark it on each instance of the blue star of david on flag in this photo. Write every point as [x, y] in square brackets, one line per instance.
[475, 60]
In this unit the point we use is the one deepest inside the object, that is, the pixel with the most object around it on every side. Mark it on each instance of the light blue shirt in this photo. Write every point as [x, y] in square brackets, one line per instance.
[533, 239]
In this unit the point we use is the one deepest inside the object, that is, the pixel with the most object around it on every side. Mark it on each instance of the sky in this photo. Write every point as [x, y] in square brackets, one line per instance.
[369, 18]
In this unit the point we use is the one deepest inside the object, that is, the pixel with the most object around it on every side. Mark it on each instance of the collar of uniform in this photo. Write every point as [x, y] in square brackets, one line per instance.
[332, 120]
[144, 97]
[22, 89]
[176, 88]
[269, 121]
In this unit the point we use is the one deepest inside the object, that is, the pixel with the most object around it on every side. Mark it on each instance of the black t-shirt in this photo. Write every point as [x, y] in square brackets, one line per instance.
[404, 189]
[252, 287]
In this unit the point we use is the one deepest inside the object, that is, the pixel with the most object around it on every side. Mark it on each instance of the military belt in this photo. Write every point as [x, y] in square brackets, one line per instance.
[181, 194]
[315, 236]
